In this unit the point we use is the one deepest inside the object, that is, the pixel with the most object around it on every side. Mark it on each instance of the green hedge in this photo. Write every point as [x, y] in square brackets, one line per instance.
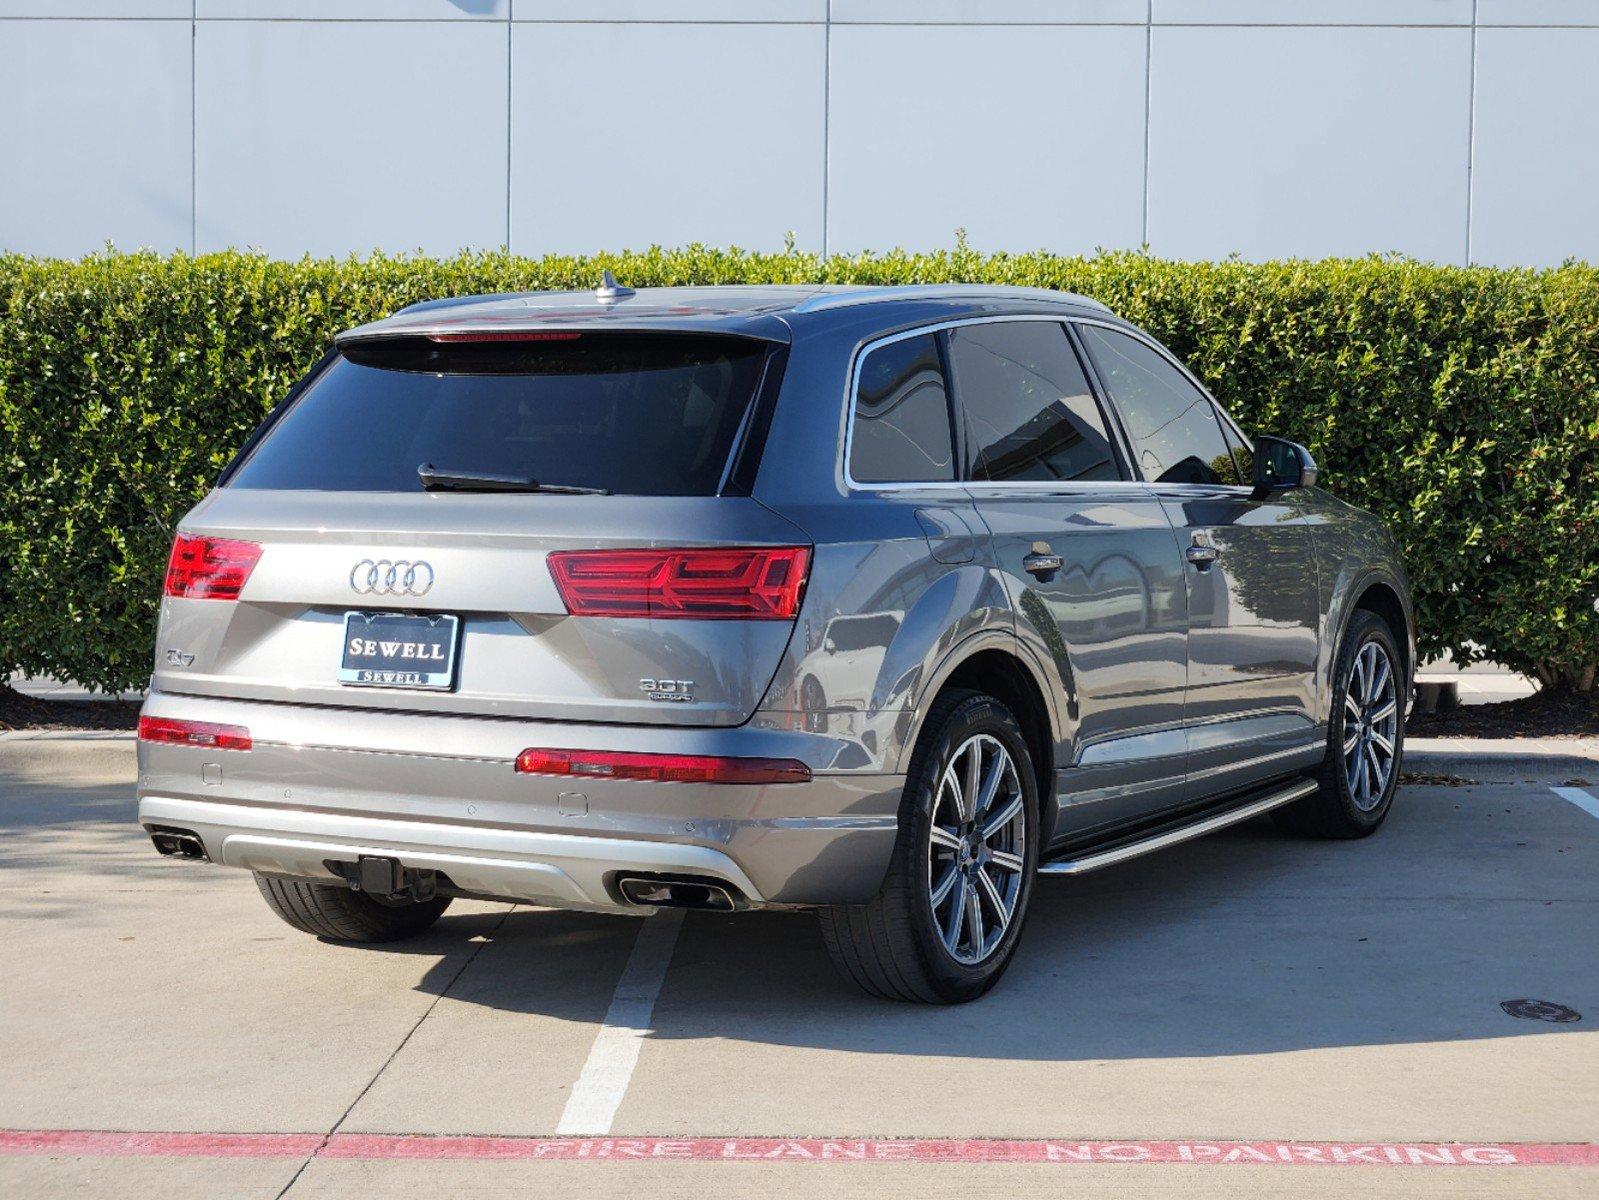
[1462, 405]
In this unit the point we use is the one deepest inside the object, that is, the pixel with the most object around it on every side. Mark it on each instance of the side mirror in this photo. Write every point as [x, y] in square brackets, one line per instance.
[1280, 465]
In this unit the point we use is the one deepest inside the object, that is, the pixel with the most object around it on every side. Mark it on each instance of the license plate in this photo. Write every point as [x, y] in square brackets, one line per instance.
[402, 650]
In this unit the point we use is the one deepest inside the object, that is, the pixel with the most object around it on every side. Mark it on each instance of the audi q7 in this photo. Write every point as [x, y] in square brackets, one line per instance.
[878, 602]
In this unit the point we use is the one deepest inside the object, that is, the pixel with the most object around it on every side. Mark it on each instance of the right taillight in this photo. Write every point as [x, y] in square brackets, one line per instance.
[208, 568]
[757, 583]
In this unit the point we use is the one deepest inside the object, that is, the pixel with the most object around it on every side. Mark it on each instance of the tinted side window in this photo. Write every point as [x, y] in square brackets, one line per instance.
[1174, 431]
[901, 432]
[1028, 404]
[1242, 454]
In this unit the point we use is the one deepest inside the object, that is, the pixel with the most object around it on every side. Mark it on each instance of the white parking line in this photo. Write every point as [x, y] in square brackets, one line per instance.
[602, 1083]
[1583, 800]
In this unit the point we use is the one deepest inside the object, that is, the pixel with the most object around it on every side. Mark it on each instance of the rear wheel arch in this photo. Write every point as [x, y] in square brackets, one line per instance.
[997, 667]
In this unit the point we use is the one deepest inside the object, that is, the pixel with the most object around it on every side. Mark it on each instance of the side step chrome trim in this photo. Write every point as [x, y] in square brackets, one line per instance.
[1172, 837]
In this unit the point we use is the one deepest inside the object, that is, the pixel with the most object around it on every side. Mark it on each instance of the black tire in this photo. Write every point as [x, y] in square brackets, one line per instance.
[1333, 810]
[340, 914]
[892, 947]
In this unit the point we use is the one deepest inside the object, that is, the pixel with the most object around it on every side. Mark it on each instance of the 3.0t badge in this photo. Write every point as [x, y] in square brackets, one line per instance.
[678, 690]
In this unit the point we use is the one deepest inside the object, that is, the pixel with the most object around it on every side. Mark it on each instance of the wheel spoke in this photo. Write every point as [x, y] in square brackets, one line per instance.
[1382, 743]
[1386, 711]
[1351, 706]
[1351, 740]
[943, 837]
[1006, 861]
[1379, 675]
[992, 778]
[971, 785]
[1003, 818]
[951, 928]
[974, 919]
[952, 786]
[1001, 912]
[945, 885]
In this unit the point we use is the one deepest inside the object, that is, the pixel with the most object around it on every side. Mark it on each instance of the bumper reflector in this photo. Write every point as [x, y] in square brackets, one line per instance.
[194, 733]
[663, 768]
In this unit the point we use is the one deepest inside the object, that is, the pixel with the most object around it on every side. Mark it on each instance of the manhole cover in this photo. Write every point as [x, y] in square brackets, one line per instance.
[1541, 1010]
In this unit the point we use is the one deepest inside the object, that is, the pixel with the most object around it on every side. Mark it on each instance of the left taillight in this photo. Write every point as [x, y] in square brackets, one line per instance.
[748, 583]
[208, 568]
[194, 733]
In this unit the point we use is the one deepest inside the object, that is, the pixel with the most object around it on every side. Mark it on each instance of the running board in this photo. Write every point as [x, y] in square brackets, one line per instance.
[1172, 837]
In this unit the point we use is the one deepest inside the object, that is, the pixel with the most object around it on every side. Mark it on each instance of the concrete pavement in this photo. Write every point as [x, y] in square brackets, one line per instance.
[1247, 986]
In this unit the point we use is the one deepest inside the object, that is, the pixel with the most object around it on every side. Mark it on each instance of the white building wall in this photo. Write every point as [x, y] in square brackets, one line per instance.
[1452, 130]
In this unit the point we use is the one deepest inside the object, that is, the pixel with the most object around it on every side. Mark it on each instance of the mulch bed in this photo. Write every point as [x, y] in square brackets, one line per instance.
[1542, 714]
[29, 712]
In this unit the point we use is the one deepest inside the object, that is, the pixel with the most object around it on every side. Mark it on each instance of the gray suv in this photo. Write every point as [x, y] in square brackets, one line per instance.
[880, 602]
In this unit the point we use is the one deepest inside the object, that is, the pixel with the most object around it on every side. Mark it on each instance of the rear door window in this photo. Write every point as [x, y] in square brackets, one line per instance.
[1030, 414]
[634, 414]
[1173, 428]
[900, 430]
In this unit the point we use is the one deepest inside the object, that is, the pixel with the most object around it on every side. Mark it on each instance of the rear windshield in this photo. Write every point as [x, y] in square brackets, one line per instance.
[634, 414]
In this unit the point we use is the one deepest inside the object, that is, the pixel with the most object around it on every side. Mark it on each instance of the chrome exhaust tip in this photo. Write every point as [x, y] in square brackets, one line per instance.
[178, 843]
[666, 892]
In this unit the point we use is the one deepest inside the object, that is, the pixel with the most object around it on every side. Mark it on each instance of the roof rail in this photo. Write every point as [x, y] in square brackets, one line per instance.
[940, 291]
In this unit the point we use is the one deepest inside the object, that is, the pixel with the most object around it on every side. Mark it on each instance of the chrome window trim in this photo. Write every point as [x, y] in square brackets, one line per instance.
[973, 487]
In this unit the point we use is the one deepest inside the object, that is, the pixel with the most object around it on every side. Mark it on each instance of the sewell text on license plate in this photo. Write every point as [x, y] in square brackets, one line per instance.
[407, 650]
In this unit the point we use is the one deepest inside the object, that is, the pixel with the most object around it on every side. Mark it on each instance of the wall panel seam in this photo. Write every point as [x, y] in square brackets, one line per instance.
[194, 128]
[827, 121]
[510, 115]
[1149, 95]
[1471, 130]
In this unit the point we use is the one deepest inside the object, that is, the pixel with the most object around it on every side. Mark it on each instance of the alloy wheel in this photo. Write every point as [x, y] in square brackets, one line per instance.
[976, 853]
[1371, 725]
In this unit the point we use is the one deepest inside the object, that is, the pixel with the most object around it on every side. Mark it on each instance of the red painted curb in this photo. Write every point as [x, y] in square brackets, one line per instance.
[104, 1143]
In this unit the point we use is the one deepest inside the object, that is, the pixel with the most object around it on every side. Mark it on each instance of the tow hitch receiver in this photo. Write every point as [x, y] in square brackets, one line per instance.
[387, 879]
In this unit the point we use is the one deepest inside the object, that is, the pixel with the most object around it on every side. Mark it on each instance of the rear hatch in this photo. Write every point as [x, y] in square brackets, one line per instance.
[534, 524]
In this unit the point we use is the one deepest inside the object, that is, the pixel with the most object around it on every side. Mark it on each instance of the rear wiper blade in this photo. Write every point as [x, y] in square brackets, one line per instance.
[440, 479]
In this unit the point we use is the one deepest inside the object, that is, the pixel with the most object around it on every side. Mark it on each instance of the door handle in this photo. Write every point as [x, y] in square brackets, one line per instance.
[1202, 554]
[1042, 562]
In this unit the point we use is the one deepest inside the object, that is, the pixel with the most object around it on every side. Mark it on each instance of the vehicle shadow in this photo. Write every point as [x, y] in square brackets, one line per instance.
[1245, 942]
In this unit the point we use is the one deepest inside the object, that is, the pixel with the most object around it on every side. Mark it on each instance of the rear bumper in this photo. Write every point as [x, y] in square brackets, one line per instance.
[511, 864]
[308, 793]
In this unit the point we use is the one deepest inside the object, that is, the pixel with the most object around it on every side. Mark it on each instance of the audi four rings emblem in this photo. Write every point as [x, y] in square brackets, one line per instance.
[385, 578]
